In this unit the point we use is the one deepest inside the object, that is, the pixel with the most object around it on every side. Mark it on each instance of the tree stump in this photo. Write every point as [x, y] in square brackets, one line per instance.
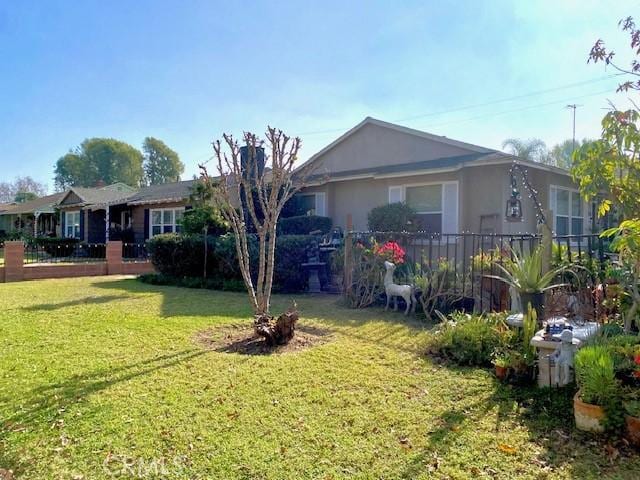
[278, 331]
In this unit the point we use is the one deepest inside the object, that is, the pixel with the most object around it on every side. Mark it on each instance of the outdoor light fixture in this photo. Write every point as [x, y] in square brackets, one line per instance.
[513, 212]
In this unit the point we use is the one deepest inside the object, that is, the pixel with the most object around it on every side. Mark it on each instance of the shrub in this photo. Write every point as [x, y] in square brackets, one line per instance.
[55, 246]
[304, 225]
[395, 217]
[182, 256]
[472, 339]
[195, 220]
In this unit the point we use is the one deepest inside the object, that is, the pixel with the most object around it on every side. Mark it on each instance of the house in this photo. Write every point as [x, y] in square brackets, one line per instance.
[454, 186]
[35, 217]
[119, 212]
[85, 213]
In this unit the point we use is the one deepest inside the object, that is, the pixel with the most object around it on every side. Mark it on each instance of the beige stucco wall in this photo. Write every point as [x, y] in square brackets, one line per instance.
[374, 145]
[482, 190]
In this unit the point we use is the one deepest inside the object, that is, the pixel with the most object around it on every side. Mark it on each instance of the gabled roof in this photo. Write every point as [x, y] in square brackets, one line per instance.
[115, 193]
[4, 206]
[399, 128]
[162, 193]
[477, 156]
[42, 205]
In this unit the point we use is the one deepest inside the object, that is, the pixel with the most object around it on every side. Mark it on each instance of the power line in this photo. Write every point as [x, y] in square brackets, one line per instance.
[476, 105]
[529, 107]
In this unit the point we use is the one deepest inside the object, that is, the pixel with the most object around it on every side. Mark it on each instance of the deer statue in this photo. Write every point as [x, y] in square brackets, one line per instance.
[395, 291]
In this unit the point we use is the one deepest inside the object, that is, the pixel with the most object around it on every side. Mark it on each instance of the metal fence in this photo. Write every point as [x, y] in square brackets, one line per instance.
[457, 268]
[73, 252]
[135, 252]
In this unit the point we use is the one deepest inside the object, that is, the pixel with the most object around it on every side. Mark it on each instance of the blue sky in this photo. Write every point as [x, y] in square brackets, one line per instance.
[187, 71]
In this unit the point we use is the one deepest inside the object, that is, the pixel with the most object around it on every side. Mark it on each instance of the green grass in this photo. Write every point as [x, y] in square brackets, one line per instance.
[94, 371]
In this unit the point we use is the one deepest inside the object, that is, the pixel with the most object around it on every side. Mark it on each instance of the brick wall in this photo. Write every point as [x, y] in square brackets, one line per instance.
[15, 270]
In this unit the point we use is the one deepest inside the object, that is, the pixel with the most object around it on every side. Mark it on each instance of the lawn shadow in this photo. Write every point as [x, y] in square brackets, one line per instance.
[43, 403]
[93, 300]
[547, 415]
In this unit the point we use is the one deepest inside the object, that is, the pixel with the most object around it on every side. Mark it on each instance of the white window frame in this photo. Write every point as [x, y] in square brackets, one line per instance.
[402, 189]
[320, 199]
[162, 224]
[67, 223]
[553, 203]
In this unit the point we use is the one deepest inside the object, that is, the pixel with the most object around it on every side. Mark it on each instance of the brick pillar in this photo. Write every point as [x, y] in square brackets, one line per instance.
[13, 261]
[114, 258]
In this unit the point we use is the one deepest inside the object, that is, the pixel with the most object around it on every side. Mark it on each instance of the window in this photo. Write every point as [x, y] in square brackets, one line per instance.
[165, 220]
[568, 210]
[436, 205]
[72, 224]
[310, 204]
[426, 200]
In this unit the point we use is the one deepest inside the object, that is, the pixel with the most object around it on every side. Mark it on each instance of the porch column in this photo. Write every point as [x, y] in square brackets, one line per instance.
[107, 222]
[36, 217]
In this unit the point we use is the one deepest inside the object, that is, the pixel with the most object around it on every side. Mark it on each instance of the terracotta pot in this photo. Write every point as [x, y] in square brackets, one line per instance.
[589, 418]
[501, 372]
[632, 431]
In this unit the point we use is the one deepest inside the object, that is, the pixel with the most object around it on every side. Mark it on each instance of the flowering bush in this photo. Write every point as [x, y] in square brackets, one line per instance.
[390, 251]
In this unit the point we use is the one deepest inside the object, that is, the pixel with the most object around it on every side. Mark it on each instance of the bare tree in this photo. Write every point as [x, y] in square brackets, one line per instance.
[248, 190]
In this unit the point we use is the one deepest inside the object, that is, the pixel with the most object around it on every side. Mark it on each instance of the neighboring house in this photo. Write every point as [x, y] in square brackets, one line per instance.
[158, 208]
[85, 213]
[117, 211]
[36, 217]
[454, 186]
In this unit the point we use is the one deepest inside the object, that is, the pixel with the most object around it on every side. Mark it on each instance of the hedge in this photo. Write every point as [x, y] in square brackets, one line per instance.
[304, 225]
[182, 256]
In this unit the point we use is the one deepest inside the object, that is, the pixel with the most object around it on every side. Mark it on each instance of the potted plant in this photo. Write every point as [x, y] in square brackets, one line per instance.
[502, 362]
[632, 417]
[597, 403]
[524, 273]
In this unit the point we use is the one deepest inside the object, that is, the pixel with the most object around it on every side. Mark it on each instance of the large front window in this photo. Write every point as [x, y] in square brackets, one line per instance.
[568, 211]
[72, 224]
[426, 200]
[310, 204]
[166, 220]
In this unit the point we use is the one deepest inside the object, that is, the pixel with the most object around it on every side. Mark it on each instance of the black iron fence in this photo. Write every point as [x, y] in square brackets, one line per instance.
[60, 252]
[455, 270]
[135, 252]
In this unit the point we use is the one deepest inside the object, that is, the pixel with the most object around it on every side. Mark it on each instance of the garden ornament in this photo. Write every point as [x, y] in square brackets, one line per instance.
[394, 290]
[563, 357]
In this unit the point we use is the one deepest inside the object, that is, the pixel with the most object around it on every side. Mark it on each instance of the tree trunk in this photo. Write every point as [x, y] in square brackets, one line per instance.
[278, 331]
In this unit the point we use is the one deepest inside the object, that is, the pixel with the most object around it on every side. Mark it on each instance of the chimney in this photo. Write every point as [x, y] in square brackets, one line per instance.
[246, 165]
[100, 183]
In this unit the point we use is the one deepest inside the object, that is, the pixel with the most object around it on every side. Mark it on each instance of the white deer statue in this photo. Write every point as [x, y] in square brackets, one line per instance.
[395, 291]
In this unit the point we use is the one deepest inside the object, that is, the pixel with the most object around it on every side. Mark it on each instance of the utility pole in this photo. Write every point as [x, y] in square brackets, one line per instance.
[574, 106]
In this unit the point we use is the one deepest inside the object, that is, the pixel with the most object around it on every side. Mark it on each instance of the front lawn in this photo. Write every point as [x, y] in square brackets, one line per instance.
[102, 377]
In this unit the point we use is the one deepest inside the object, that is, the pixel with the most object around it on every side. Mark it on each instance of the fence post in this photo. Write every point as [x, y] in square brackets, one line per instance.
[14, 261]
[115, 265]
[546, 242]
[348, 265]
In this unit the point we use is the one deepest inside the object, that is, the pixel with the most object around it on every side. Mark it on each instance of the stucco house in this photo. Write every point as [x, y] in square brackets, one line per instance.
[453, 185]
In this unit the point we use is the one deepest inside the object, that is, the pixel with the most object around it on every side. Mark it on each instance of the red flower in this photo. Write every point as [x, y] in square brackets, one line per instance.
[636, 359]
[391, 251]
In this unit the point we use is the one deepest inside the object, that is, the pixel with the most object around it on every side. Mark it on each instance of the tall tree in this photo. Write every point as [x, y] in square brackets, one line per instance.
[99, 159]
[21, 189]
[562, 153]
[532, 149]
[161, 164]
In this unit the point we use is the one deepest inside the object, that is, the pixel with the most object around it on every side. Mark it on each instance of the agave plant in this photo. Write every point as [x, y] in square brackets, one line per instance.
[524, 273]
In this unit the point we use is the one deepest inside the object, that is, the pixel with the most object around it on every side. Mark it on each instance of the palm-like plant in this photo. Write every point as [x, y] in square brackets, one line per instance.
[524, 273]
[532, 149]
